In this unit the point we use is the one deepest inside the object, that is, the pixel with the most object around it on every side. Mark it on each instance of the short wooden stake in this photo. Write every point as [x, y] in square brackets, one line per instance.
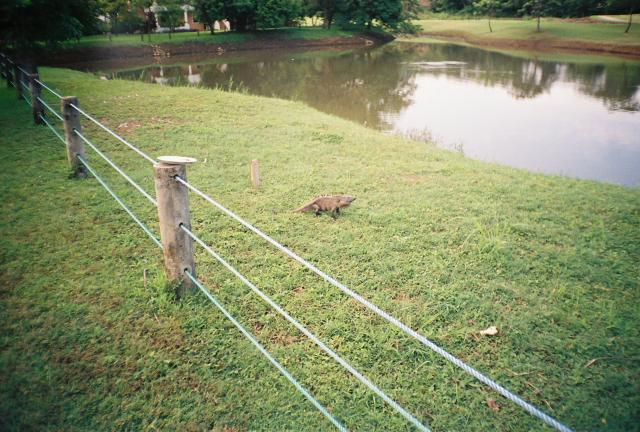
[255, 173]
[36, 93]
[75, 145]
[17, 80]
[173, 212]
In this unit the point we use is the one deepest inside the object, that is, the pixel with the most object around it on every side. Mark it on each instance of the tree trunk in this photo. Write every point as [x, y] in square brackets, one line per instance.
[538, 28]
[490, 29]
[630, 20]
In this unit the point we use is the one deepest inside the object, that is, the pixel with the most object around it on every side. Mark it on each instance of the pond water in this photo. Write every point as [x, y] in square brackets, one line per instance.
[571, 115]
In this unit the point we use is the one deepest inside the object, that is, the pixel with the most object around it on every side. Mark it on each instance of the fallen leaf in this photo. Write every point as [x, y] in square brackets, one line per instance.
[491, 331]
[495, 406]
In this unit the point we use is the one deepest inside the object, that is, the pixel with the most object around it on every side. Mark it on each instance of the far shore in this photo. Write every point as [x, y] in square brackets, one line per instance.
[555, 35]
[132, 46]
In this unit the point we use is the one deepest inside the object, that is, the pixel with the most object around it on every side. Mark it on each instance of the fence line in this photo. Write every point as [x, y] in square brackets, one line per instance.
[372, 307]
[155, 239]
[364, 380]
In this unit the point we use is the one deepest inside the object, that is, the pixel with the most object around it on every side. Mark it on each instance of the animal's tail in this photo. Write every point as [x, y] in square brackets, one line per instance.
[304, 208]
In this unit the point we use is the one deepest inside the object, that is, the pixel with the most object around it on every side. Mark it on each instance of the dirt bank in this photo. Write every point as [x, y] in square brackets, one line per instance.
[543, 44]
[101, 53]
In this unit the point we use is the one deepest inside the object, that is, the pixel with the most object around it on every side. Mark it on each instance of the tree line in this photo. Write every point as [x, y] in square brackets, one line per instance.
[554, 8]
[27, 22]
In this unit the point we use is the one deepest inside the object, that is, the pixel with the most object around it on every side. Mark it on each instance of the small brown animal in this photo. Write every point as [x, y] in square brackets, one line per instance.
[332, 203]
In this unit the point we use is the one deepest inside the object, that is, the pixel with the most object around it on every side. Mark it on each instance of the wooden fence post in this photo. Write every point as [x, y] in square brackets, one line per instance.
[5, 69]
[173, 211]
[255, 173]
[36, 92]
[17, 80]
[75, 145]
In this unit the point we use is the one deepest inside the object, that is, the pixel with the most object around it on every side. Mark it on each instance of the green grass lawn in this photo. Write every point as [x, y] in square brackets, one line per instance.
[447, 244]
[308, 33]
[526, 29]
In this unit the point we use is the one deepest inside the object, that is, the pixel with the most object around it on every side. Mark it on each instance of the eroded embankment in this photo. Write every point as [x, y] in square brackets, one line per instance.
[95, 53]
[542, 44]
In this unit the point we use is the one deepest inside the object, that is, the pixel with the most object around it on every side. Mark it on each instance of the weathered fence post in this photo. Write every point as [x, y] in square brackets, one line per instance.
[173, 211]
[75, 145]
[17, 80]
[36, 91]
[5, 69]
[255, 173]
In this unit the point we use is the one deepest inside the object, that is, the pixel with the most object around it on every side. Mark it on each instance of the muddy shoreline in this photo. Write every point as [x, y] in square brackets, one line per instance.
[629, 51]
[166, 50]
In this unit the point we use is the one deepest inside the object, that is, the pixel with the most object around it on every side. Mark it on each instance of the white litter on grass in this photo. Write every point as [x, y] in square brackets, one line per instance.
[491, 331]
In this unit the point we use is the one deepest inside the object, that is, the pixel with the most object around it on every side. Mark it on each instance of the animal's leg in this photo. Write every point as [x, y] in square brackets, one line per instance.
[337, 210]
[334, 213]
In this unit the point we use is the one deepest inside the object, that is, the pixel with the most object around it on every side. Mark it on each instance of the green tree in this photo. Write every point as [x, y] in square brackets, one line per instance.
[624, 6]
[209, 11]
[172, 15]
[25, 24]
[276, 13]
[488, 8]
[241, 14]
[540, 8]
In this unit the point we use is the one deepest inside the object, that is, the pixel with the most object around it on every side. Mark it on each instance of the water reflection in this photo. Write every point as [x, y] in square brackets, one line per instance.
[574, 118]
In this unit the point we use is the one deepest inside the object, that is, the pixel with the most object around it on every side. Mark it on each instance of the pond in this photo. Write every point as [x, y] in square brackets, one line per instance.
[572, 115]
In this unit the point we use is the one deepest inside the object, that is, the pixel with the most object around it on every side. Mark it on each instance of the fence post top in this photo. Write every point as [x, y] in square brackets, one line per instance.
[176, 160]
[70, 99]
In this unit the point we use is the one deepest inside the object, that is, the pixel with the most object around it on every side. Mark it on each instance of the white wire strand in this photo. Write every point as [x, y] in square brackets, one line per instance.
[386, 316]
[353, 371]
[266, 353]
[50, 109]
[122, 204]
[48, 88]
[115, 135]
[53, 129]
[117, 168]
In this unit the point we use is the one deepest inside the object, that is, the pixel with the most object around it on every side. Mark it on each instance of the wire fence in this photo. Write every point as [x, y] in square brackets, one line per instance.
[41, 108]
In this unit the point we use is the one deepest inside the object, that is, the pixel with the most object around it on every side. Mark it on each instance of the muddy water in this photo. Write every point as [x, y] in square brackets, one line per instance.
[571, 115]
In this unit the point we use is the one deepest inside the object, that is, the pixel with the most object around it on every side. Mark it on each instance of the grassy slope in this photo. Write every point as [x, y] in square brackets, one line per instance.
[526, 30]
[206, 37]
[448, 244]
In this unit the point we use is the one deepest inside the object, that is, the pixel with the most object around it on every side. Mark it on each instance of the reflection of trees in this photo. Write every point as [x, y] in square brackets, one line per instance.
[359, 86]
[364, 84]
[615, 83]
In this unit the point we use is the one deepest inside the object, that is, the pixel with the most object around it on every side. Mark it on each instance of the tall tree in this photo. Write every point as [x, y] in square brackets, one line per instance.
[540, 8]
[241, 14]
[624, 6]
[25, 24]
[172, 17]
[209, 11]
[277, 13]
[488, 8]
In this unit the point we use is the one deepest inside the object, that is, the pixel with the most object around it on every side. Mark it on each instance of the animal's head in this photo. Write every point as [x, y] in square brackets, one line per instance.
[348, 199]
